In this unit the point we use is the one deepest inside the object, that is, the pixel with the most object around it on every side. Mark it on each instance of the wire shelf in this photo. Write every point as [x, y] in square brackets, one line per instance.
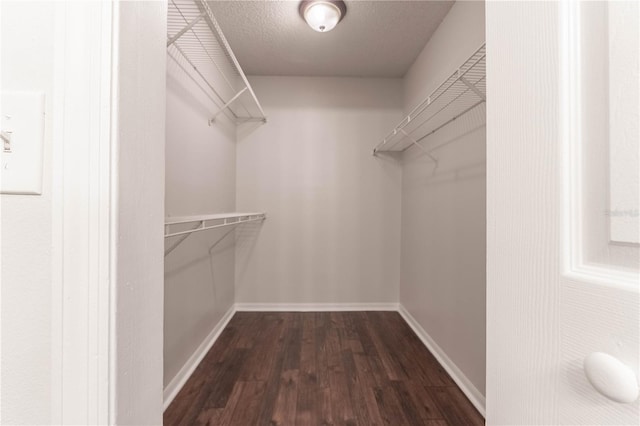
[464, 90]
[196, 43]
[184, 226]
[202, 223]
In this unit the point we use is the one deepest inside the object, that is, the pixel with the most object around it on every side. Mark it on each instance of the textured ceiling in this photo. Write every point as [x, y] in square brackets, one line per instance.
[375, 38]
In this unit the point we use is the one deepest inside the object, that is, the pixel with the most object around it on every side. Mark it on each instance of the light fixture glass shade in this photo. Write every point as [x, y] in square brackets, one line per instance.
[322, 16]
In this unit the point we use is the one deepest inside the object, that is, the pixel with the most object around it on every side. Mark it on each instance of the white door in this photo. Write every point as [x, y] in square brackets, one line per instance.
[562, 209]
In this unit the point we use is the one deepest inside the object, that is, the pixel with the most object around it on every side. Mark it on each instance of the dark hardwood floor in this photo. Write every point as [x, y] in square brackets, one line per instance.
[327, 368]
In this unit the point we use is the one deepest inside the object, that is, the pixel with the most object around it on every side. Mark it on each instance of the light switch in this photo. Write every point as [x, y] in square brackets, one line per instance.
[21, 151]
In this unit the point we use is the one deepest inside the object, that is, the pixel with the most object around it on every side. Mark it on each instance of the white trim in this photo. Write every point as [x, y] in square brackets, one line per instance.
[81, 213]
[315, 307]
[115, 208]
[57, 213]
[575, 267]
[476, 398]
[178, 381]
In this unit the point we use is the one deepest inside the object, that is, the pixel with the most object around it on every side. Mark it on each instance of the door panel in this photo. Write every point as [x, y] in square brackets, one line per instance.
[599, 117]
[563, 258]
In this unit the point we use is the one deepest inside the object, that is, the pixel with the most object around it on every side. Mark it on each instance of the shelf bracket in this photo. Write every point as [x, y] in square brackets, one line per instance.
[6, 141]
[181, 239]
[226, 105]
[473, 88]
[415, 142]
[219, 240]
[185, 29]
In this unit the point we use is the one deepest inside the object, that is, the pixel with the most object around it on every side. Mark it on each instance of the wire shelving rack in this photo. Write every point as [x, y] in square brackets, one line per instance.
[196, 42]
[184, 226]
[464, 90]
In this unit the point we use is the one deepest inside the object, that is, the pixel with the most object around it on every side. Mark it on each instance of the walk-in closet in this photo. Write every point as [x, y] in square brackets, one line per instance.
[319, 212]
[325, 213]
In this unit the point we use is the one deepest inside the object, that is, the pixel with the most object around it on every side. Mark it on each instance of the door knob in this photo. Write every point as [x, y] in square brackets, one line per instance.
[609, 376]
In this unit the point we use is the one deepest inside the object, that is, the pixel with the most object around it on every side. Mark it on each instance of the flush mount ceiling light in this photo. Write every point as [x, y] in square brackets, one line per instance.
[322, 15]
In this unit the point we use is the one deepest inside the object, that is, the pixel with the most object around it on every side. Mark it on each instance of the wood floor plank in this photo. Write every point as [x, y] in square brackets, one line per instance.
[320, 368]
[272, 387]
[341, 406]
[350, 326]
[356, 390]
[365, 372]
[333, 350]
[210, 417]
[387, 339]
[390, 365]
[430, 368]
[322, 361]
[251, 398]
[360, 324]
[436, 423]
[324, 399]
[307, 406]
[249, 325]
[389, 407]
[372, 406]
[222, 417]
[455, 407]
[284, 411]
[337, 320]
[423, 401]
[411, 411]
[223, 382]
[293, 349]
[267, 346]
[191, 392]
[216, 389]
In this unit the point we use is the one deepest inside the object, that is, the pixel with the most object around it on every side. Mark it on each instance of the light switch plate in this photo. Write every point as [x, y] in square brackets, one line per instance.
[21, 150]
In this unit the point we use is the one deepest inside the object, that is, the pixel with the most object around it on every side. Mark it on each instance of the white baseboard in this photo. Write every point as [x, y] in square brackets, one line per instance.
[474, 395]
[314, 307]
[174, 386]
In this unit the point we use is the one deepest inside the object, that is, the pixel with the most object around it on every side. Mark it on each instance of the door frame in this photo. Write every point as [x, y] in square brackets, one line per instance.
[83, 218]
[108, 212]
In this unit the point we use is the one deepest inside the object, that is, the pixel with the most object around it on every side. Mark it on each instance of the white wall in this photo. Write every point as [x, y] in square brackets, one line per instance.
[443, 211]
[200, 179]
[332, 233]
[33, 374]
[139, 211]
[27, 34]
